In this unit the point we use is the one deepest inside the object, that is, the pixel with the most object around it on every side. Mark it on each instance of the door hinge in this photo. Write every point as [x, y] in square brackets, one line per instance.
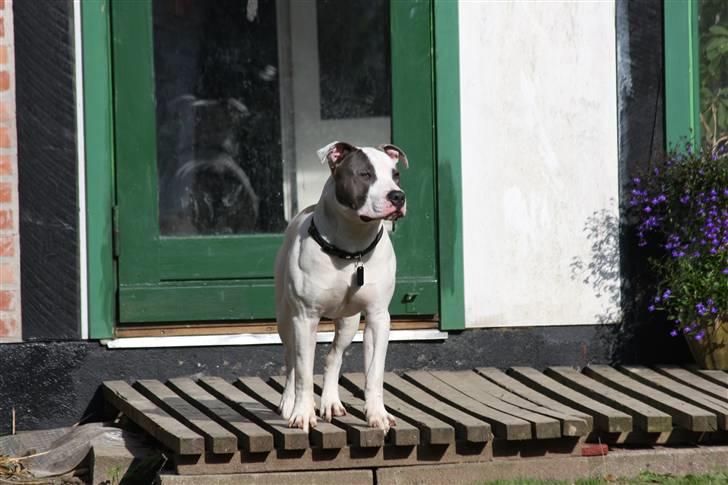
[115, 229]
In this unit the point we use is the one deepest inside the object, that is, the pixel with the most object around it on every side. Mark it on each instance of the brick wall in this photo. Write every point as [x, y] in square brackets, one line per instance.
[10, 329]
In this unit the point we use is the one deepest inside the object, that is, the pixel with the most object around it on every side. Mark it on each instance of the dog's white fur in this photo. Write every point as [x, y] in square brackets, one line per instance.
[311, 284]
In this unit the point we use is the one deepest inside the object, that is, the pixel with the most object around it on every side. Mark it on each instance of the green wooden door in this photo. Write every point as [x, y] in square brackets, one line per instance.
[212, 107]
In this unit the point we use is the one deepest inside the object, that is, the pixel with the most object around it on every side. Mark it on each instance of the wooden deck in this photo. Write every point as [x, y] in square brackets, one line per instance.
[214, 426]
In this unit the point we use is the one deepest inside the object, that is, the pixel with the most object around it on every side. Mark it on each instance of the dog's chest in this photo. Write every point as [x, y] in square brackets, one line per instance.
[330, 285]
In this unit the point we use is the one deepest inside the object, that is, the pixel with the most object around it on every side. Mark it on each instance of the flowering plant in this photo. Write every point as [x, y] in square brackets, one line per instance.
[680, 210]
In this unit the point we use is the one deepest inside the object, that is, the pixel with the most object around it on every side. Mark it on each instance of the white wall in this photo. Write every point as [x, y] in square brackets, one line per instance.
[539, 151]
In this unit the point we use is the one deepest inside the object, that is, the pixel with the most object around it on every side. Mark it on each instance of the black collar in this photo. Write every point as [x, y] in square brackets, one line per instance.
[332, 250]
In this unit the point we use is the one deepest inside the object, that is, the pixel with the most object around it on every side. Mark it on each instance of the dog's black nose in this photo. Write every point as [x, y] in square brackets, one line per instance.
[396, 197]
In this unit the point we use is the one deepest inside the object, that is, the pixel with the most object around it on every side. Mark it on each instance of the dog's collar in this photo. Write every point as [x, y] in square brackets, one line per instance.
[332, 250]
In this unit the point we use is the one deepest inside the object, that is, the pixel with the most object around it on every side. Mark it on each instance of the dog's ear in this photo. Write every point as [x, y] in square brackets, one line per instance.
[395, 153]
[334, 153]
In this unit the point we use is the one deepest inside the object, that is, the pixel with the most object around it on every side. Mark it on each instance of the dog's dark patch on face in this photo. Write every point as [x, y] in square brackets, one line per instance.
[353, 177]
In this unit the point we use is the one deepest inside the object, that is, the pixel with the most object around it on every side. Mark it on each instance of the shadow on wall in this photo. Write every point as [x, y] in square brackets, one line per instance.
[634, 335]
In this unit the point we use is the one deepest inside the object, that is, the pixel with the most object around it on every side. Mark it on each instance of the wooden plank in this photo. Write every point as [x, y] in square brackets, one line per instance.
[345, 458]
[681, 391]
[251, 437]
[403, 434]
[568, 424]
[569, 428]
[694, 380]
[325, 435]
[646, 417]
[217, 439]
[432, 430]
[684, 415]
[163, 427]
[606, 418]
[467, 427]
[357, 430]
[235, 328]
[486, 392]
[284, 437]
[715, 376]
[503, 425]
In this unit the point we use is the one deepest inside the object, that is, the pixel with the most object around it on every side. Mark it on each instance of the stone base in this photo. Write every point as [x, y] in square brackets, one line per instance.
[618, 463]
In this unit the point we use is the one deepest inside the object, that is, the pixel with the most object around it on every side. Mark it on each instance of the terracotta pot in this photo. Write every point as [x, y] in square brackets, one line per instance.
[712, 351]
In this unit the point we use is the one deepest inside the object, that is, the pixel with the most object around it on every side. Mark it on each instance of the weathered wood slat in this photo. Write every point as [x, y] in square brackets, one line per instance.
[484, 391]
[680, 391]
[325, 435]
[163, 427]
[321, 459]
[564, 421]
[715, 376]
[683, 414]
[217, 439]
[251, 437]
[503, 425]
[403, 434]
[584, 422]
[694, 380]
[432, 430]
[357, 430]
[606, 418]
[285, 438]
[645, 417]
[466, 426]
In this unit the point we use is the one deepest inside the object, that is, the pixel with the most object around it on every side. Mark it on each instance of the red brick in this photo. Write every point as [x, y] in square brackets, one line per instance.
[2, 27]
[2, 4]
[3, 54]
[7, 300]
[7, 274]
[4, 80]
[7, 246]
[7, 110]
[6, 219]
[6, 166]
[8, 327]
[6, 141]
[6, 192]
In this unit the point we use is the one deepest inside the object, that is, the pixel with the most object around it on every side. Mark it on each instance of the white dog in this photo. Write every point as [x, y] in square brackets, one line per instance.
[337, 262]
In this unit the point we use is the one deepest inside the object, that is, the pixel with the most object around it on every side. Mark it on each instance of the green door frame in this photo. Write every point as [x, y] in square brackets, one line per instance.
[682, 71]
[98, 106]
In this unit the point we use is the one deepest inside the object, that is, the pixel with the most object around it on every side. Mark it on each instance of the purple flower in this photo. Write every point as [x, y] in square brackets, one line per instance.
[651, 308]
[701, 309]
[699, 336]
[685, 199]
[666, 294]
[647, 209]
[673, 333]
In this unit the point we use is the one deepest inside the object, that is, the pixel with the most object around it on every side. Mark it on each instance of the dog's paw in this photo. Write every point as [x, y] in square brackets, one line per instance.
[285, 408]
[381, 419]
[330, 407]
[303, 416]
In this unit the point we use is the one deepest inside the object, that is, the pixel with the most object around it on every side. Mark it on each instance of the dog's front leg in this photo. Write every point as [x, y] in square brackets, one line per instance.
[376, 338]
[304, 412]
[331, 405]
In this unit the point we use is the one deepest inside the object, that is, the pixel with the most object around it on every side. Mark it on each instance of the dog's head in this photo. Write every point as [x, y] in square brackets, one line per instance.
[367, 179]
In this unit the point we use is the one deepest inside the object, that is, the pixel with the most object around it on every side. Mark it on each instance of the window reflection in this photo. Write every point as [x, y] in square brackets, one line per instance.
[247, 91]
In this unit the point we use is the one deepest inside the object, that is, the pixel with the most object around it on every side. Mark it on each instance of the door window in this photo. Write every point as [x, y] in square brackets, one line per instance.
[246, 92]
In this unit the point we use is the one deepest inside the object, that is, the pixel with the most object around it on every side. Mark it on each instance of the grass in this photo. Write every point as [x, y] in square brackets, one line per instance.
[644, 478]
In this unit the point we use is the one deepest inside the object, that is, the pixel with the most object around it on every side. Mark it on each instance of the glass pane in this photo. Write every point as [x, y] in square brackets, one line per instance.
[247, 91]
[713, 31]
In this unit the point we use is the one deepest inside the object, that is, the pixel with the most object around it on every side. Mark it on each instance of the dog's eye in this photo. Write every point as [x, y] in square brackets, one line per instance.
[395, 176]
[366, 175]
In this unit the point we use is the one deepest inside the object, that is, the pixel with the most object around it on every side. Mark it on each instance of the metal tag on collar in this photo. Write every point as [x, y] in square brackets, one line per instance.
[359, 272]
